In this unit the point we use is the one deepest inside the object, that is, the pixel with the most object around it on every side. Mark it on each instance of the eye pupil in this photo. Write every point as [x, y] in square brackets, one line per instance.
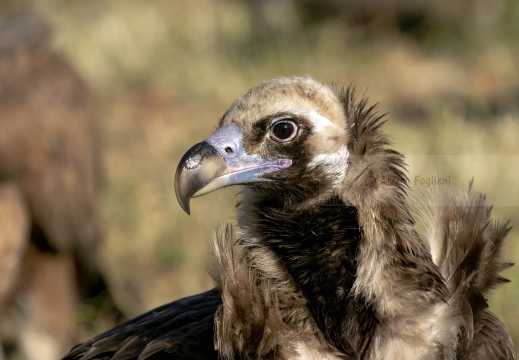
[283, 131]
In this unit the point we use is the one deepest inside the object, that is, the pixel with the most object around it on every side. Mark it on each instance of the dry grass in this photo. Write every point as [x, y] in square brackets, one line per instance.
[165, 71]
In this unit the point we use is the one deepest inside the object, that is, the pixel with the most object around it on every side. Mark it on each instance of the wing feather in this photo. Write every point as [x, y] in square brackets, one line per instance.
[182, 329]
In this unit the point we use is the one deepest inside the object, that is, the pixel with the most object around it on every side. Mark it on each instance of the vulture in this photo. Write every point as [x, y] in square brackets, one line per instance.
[324, 261]
[50, 223]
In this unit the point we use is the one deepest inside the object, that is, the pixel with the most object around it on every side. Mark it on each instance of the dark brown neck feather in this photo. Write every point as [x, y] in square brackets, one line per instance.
[318, 247]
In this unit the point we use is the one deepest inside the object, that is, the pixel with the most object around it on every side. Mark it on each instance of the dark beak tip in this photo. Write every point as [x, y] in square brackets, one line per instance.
[183, 201]
[185, 206]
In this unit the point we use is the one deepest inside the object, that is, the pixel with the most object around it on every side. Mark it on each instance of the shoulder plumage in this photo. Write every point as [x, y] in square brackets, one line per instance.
[464, 240]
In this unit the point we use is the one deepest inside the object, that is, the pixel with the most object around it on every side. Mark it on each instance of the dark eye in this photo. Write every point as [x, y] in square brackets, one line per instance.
[283, 131]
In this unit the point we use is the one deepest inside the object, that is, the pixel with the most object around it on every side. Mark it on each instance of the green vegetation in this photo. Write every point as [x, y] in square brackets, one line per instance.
[165, 71]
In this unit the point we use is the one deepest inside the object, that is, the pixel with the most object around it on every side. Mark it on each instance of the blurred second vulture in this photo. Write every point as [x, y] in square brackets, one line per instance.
[50, 225]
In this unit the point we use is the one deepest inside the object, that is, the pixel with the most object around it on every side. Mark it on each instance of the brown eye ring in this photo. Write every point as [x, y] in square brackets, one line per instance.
[283, 130]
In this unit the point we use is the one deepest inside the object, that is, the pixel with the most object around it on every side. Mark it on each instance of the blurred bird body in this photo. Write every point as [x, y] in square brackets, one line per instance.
[325, 261]
[50, 224]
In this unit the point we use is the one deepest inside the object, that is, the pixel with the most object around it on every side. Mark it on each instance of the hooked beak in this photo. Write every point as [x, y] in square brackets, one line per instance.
[220, 161]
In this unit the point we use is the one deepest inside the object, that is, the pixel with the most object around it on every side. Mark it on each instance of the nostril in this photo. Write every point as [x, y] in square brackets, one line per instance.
[229, 150]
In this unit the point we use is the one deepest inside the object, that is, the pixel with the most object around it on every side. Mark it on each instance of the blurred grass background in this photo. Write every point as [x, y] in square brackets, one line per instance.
[164, 72]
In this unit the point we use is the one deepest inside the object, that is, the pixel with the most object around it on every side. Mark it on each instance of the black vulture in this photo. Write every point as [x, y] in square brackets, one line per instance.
[50, 222]
[324, 261]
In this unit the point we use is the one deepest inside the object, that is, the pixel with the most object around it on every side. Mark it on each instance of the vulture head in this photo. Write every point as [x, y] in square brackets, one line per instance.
[286, 137]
